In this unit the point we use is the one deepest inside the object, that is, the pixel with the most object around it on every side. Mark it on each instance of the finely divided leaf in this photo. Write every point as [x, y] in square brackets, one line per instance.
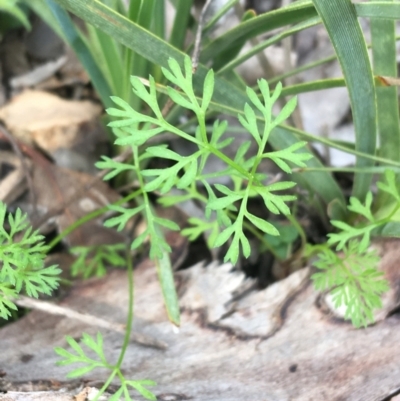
[262, 225]
[163, 152]
[275, 203]
[357, 207]
[286, 111]
[115, 167]
[390, 187]
[178, 98]
[281, 156]
[224, 236]
[277, 93]
[207, 90]
[250, 123]
[255, 100]
[190, 175]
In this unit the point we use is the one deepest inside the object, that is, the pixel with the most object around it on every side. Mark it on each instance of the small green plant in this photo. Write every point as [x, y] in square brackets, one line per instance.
[353, 280]
[356, 282]
[92, 260]
[96, 345]
[228, 214]
[353, 277]
[22, 256]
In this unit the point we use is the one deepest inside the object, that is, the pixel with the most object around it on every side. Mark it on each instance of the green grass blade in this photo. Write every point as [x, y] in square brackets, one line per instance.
[158, 27]
[272, 40]
[166, 278]
[377, 9]
[232, 51]
[340, 20]
[40, 8]
[124, 31]
[158, 23]
[134, 10]
[311, 86]
[215, 18]
[384, 63]
[302, 68]
[82, 51]
[181, 22]
[292, 14]
[108, 57]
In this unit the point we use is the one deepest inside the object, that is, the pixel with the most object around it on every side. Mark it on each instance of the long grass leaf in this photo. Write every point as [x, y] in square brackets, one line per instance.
[166, 278]
[384, 63]
[270, 41]
[82, 51]
[181, 22]
[377, 9]
[292, 14]
[340, 20]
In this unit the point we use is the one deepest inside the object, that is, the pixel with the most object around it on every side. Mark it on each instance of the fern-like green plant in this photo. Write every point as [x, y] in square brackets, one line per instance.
[226, 208]
[353, 277]
[79, 356]
[92, 260]
[22, 257]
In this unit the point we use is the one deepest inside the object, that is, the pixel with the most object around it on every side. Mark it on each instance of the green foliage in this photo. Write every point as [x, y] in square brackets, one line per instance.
[92, 260]
[79, 356]
[356, 283]
[186, 172]
[353, 280]
[282, 245]
[22, 255]
[11, 7]
[364, 230]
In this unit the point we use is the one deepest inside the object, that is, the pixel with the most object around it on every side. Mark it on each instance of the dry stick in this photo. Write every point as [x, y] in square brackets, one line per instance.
[197, 41]
[25, 168]
[48, 307]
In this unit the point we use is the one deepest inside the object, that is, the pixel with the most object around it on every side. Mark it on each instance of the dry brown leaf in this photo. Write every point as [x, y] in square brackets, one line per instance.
[52, 123]
[55, 186]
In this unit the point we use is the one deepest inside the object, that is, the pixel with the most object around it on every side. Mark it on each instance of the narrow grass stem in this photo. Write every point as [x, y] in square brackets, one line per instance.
[129, 319]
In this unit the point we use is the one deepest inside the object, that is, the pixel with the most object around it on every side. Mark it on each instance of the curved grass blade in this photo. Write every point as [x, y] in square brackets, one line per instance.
[384, 63]
[74, 39]
[311, 86]
[182, 18]
[340, 20]
[377, 9]
[292, 14]
[274, 39]
[166, 278]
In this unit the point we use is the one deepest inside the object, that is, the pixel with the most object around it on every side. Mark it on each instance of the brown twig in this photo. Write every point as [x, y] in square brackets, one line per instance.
[197, 41]
[53, 309]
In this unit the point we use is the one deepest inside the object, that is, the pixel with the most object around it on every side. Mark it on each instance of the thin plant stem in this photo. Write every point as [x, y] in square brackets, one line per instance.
[90, 216]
